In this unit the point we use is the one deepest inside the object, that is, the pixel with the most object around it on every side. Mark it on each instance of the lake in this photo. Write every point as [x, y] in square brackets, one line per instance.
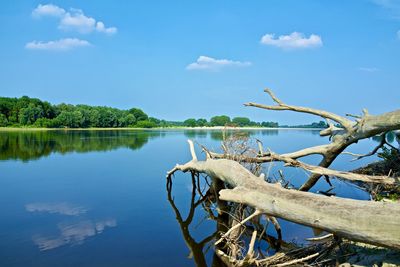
[99, 198]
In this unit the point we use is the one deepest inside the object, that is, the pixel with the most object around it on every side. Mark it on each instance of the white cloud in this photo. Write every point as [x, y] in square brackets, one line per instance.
[209, 63]
[295, 40]
[101, 28]
[77, 21]
[74, 20]
[369, 69]
[59, 45]
[48, 10]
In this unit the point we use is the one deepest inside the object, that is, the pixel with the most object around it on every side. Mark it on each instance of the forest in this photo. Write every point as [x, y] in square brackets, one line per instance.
[33, 112]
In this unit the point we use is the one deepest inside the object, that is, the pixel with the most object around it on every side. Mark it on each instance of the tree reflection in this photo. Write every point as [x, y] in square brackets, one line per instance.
[225, 134]
[191, 134]
[197, 249]
[30, 145]
[220, 212]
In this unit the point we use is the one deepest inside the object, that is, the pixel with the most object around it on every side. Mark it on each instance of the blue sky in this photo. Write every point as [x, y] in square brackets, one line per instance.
[180, 59]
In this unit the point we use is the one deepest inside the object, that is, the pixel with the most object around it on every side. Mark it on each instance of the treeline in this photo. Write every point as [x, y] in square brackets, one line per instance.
[320, 124]
[25, 111]
[224, 120]
[33, 112]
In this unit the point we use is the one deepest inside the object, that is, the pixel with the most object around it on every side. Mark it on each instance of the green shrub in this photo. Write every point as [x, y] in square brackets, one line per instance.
[145, 124]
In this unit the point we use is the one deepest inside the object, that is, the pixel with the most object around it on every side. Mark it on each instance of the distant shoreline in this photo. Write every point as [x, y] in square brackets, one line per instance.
[4, 129]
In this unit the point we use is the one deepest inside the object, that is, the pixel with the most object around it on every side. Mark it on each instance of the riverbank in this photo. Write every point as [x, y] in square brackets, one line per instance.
[219, 128]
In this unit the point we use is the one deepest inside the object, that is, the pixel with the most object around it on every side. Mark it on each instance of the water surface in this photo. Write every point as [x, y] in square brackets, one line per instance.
[98, 198]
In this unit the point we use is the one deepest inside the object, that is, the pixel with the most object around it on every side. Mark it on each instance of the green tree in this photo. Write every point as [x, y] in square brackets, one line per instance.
[64, 107]
[139, 114]
[72, 119]
[3, 120]
[220, 120]
[26, 111]
[49, 110]
[202, 122]
[320, 124]
[190, 122]
[269, 124]
[107, 118]
[47, 123]
[145, 124]
[30, 114]
[241, 121]
[155, 120]
[94, 118]
[128, 120]
[85, 111]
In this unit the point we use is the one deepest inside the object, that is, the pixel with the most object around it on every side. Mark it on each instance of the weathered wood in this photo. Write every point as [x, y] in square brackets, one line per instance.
[376, 223]
[351, 176]
[350, 132]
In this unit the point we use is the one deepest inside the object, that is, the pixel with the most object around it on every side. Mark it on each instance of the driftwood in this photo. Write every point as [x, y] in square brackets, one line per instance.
[345, 133]
[376, 223]
[351, 176]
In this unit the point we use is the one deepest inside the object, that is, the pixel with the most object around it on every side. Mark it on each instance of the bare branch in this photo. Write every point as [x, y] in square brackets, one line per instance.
[260, 147]
[366, 126]
[360, 156]
[294, 262]
[192, 152]
[248, 218]
[320, 150]
[354, 116]
[319, 238]
[346, 123]
[331, 130]
[274, 98]
[250, 252]
[278, 229]
[173, 170]
[329, 172]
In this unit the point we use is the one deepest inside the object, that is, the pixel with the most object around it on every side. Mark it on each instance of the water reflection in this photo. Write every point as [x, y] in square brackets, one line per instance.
[70, 232]
[73, 233]
[198, 248]
[218, 211]
[63, 208]
[29, 145]
[221, 134]
[191, 134]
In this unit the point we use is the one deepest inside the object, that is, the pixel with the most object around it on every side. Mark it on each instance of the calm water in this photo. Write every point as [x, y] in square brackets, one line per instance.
[98, 198]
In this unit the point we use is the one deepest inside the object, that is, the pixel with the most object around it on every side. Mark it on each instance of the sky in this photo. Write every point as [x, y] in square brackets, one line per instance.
[183, 59]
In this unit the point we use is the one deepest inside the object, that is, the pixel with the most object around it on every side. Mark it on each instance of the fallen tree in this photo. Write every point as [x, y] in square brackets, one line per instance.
[342, 132]
[376, 223]
[239, 168]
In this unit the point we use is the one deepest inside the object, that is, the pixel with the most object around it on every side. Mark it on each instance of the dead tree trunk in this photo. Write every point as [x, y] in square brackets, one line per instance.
[375, 223]
[348, 133]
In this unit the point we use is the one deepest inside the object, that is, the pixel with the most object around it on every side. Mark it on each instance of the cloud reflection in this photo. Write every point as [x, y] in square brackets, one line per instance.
[63, 208]
[73, 233]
